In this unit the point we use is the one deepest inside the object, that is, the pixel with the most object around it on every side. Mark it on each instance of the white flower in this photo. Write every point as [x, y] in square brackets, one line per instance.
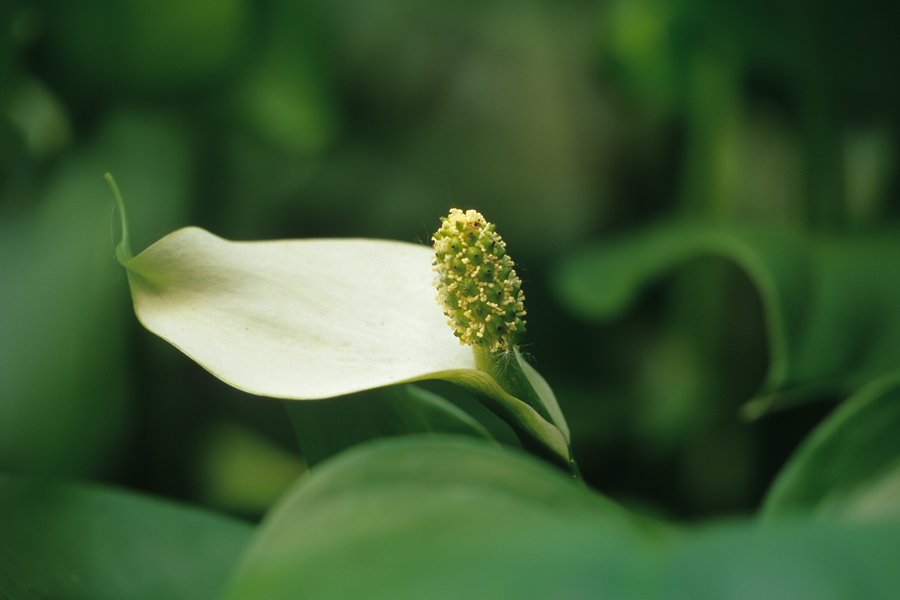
[297, 319]
[312, 319]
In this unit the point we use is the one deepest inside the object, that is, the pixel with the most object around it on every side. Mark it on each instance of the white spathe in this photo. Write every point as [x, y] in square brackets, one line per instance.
[297, 319]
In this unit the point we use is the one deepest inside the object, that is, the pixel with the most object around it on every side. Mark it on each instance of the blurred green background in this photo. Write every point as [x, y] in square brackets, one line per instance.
[566, 123]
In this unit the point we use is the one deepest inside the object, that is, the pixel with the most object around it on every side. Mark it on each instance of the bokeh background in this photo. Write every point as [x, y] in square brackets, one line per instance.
[566, 123]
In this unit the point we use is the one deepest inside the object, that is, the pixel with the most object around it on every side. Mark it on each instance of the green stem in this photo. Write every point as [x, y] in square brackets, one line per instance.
[505, 369]
[510, 373]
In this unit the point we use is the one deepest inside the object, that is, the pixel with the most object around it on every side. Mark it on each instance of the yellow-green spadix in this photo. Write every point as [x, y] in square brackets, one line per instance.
[477, 286]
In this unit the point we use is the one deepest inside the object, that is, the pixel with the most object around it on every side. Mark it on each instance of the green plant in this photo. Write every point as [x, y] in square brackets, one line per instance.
[409, 496]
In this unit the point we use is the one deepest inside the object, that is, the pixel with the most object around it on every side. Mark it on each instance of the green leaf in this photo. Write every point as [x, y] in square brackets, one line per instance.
[850, 465]
[802, 559]
[545, 393]
[442, 518]
[242, 471]
[64, 397]
[456, 518]
[149, 47]
[829, 301]
[77, 541]
[331, 426]
[283, 95]
[534, 431]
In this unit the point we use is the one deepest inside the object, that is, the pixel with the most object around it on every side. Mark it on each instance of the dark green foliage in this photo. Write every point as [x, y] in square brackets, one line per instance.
[830, 301]
[78, 541]
[701, 198]
[327, 427]
[850, 466]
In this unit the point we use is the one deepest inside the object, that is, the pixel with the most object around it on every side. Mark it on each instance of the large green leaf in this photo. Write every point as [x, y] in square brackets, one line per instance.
[441, 518]
[850, 465]
[63, 394]
[455, 518]
[331, 426]
[829, 301]
[75, 541]
[801, 559]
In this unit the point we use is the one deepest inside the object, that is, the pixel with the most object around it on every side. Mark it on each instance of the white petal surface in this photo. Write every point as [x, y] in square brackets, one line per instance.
[298, 319]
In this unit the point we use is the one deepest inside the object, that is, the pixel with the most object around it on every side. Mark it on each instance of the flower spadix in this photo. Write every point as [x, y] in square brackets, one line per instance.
[477, 286]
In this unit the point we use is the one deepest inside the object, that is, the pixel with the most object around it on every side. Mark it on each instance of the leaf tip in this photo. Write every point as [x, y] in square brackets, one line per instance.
[123, 249]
